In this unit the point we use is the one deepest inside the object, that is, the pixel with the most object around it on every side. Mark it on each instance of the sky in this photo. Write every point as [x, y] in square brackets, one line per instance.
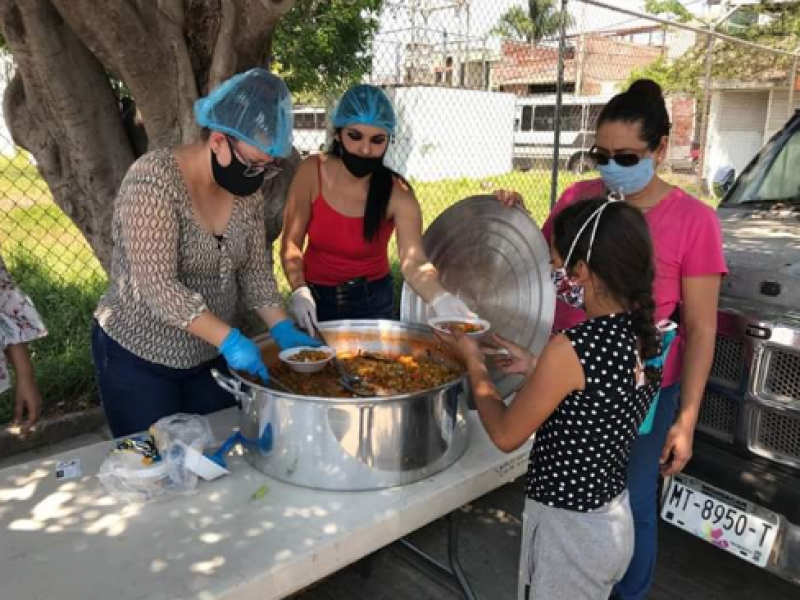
[396, 30]
[485, 13]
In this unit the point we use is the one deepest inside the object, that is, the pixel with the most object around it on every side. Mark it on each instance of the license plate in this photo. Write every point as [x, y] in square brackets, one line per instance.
[724, 520]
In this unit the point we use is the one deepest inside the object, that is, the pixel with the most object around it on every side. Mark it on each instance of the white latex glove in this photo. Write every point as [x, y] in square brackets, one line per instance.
[446, 304]
[303, 308]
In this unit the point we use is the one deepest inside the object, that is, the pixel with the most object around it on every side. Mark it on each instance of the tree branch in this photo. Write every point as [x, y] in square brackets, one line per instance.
[131, 39]
[223, 61]
[257, 26]
[75, 131]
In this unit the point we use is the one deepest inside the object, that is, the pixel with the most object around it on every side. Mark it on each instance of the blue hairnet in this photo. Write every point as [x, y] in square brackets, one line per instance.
[255, 107]
[365, 105]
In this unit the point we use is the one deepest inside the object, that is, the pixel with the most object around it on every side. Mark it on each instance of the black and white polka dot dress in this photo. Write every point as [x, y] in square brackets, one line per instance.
[580, 454]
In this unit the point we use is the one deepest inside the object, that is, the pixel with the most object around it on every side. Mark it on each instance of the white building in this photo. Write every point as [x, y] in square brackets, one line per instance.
[742, 118]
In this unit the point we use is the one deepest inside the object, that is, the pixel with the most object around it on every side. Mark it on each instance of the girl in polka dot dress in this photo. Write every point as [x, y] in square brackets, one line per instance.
[585, 398]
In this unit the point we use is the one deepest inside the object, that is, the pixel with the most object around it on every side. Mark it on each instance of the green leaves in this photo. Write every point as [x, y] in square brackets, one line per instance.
[668, 7]
[542, 20]
[778, 27]
[321, 48]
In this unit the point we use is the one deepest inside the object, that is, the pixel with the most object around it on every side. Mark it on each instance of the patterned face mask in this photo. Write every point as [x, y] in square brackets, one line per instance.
[568, 289]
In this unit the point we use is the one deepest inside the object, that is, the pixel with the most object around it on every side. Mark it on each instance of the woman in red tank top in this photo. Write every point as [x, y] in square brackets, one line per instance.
[342, 209]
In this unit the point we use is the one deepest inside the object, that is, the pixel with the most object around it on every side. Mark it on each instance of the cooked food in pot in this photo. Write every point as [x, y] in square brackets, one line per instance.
[309, 356]
[382, 374]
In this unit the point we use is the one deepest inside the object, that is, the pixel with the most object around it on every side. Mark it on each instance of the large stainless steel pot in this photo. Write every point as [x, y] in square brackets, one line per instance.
[359, 443]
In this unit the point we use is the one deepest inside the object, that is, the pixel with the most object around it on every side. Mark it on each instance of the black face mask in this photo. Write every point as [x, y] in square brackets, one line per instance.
[360, 166]
[232, 179]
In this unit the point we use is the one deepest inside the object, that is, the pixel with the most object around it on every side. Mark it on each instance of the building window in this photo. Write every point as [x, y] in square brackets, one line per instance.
[545, 118]
[571, 118]
[550, 88]
[304, 121]
[527, 118]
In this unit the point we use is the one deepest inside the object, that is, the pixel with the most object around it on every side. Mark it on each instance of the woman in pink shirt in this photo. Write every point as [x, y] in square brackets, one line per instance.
[631, 140]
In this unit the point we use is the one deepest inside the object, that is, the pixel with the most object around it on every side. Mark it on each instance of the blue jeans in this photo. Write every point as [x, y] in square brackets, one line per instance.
[643, 478]
[355, 299]
[136, 393]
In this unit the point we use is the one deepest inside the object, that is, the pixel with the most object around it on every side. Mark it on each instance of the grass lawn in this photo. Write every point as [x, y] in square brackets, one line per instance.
[50, 260]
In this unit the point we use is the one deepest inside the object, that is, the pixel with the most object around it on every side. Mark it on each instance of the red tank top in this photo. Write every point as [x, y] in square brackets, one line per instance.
[337, 251]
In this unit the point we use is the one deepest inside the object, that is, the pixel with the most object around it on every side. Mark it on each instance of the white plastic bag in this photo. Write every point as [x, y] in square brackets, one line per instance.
[192, 430]
[142, 468]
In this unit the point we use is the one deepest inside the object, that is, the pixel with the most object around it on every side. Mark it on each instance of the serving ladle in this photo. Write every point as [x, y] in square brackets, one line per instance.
[347, 380]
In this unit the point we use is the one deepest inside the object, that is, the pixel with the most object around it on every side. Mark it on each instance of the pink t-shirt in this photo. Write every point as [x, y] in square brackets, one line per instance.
[688, 243]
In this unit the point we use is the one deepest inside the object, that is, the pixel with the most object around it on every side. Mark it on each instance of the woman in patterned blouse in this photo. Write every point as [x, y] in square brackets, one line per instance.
[189, 246]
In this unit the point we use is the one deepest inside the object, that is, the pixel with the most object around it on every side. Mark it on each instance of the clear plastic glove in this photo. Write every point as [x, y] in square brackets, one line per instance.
[303, 308]
[446, 304]
[242, 354]
[286, 335]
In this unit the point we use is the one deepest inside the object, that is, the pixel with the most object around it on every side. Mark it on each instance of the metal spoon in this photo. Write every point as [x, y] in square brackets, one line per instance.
[346, 380]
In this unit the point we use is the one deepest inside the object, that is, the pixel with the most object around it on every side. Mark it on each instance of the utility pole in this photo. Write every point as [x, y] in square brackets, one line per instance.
[709, 60]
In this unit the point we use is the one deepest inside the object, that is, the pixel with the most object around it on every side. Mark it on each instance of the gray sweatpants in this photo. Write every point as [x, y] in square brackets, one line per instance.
[574, 555]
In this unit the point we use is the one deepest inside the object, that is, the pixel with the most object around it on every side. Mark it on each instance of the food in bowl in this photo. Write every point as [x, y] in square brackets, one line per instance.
[459, 327]
[385, 374]
[307, 359]
[470, 327]
[310, 356]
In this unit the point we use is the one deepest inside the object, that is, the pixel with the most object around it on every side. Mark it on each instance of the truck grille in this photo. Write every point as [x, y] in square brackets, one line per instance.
[778, 434]
[783, 375]
[728, 359]
[718, 416]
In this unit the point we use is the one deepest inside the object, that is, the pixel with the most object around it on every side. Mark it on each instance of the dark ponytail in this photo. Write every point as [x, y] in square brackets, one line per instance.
[643, 103]
[378, 194]
[622, 257]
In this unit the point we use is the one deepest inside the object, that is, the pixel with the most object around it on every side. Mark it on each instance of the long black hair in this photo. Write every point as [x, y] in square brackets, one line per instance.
[622, 257]
[643, 103]
[378, 194]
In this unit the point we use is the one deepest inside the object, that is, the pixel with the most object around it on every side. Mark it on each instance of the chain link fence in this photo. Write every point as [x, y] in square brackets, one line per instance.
[486, 99]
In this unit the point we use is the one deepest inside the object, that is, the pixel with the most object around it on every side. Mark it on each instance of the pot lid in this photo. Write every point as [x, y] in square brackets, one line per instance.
[497, 260]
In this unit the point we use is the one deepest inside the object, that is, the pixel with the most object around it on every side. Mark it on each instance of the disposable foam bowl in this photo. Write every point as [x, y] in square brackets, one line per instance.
[306, 366]
[202, 466]
[440, 325]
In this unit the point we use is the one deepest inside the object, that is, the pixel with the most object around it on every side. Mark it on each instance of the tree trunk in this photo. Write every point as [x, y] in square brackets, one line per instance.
[62, 108]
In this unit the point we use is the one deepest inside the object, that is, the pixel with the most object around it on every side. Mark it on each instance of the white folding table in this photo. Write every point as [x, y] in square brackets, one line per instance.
[68, 540]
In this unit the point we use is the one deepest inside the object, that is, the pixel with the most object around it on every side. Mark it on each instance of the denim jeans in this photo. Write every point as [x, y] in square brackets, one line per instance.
[356, 299]
[136, 393]
[643, 478]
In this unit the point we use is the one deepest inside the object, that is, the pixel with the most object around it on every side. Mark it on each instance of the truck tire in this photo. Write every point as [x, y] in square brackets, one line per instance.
[580, 163]
[522, 164]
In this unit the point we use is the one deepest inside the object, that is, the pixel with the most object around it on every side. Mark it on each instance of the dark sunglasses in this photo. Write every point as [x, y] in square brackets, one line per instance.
[623, 159]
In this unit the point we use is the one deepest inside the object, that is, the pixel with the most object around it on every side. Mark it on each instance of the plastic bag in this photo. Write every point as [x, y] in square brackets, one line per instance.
[192, 430]
[143, 468]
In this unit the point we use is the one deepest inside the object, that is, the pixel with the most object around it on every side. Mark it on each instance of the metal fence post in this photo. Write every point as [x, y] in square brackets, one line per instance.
[559, 93]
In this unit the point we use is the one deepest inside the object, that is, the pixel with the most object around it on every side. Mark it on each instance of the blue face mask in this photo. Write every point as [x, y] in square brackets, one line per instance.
[628, 180]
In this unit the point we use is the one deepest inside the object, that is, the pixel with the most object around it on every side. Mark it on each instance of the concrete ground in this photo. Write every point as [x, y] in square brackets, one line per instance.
[688, 569]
